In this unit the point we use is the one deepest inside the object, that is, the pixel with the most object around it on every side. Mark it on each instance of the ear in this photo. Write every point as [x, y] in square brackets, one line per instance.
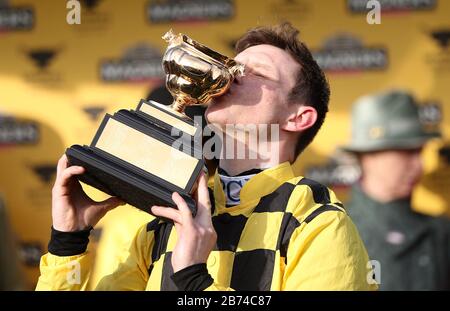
[301, 119]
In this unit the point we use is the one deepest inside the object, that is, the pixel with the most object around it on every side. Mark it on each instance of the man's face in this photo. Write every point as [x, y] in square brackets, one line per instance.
[397, 170]
[260, 96]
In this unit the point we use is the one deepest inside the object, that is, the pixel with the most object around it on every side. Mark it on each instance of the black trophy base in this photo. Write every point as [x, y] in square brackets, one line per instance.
[129, 186]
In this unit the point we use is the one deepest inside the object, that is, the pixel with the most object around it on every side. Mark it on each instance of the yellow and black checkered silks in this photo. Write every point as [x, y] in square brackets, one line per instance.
[288, 233]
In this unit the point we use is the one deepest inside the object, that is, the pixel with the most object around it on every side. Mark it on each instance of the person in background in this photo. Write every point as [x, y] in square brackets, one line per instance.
[412, 250]
[11, 277]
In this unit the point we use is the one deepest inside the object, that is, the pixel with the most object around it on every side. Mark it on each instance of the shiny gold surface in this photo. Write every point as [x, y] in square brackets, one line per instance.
[195, 73]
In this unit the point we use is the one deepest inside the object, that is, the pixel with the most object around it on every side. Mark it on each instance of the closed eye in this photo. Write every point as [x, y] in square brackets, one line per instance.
[258, 74]
[263, 76]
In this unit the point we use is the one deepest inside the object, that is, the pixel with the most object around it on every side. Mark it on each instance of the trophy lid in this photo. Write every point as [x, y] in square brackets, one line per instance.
[195, 73]
[235, 68]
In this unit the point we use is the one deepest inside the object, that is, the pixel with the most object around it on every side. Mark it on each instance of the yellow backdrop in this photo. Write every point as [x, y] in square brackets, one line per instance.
[57, 81]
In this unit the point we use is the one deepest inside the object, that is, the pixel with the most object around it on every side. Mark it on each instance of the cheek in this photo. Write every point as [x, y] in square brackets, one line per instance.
[389, 171]
[256, 89]
[398, 176]
[404, 174]
[415, 171]
[417, 167]
[216, 114]
[275, 104]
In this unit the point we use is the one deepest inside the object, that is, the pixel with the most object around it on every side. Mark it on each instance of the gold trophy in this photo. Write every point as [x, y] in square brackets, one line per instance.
[143, 155]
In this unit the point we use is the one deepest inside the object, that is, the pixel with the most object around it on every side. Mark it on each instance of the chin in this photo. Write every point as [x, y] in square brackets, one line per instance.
[216, 119]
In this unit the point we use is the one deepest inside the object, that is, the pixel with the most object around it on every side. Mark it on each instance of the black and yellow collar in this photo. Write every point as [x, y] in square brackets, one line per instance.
[258, 186]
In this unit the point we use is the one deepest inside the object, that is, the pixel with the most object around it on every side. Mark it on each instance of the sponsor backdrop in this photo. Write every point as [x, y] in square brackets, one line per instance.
[58, 80]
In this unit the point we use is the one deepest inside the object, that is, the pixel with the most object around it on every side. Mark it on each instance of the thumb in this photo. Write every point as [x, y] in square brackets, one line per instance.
[109, 203]
[99, 209]
[202, 190]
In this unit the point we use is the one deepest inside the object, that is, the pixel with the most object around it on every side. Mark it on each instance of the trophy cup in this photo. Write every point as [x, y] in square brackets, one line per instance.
[136, 155]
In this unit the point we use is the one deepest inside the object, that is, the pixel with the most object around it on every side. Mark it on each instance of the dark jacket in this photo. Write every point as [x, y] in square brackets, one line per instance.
[413, 249]
[10, 273]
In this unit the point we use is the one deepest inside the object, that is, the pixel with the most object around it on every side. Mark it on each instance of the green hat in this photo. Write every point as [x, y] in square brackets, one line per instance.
[384, 121]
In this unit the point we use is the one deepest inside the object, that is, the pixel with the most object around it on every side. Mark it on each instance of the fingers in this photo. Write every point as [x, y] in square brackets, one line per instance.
[62, 183]
[64, 172]
[203, 202]
[181, 216]
[96, 211]
[185, 212]
[62, 165]
[67, 174]
[167, 212]
[202, 191]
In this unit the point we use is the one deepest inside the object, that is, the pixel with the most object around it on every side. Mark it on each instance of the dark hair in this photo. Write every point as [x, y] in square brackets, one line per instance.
[311, 84]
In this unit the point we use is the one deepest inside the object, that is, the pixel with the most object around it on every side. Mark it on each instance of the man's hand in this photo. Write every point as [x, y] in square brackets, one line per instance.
[196, 236]
[72, 209]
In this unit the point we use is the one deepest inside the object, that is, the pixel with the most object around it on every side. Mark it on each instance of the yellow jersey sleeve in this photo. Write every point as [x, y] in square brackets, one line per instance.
[64, 272]
[73, 272]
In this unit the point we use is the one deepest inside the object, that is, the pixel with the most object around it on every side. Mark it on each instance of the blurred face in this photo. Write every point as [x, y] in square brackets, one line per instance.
[395, 171]
[260, 96]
